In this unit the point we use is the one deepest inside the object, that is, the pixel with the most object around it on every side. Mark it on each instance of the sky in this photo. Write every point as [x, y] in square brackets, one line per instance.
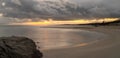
[59, 9]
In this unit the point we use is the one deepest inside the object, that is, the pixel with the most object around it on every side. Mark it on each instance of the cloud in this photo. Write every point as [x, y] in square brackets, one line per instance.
[60, 9]
[5, 20]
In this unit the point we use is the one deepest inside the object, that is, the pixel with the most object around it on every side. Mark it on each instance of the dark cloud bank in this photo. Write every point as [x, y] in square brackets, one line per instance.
[59, 9]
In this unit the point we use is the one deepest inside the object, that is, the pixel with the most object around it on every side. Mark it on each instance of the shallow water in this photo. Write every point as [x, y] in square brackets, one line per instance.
[50, 38]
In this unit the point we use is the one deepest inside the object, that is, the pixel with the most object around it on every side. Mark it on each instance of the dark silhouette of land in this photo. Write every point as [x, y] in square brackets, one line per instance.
[117, 22]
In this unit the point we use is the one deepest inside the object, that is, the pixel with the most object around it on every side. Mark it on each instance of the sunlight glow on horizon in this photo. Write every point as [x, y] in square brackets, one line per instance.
[55, 22]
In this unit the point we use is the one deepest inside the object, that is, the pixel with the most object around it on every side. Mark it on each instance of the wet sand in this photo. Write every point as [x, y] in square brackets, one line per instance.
[107, 48]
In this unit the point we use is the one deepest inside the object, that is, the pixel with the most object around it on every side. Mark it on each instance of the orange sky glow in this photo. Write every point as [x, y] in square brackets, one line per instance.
[55, 22]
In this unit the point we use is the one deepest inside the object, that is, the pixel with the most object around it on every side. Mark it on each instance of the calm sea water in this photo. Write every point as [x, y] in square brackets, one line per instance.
[50, 38]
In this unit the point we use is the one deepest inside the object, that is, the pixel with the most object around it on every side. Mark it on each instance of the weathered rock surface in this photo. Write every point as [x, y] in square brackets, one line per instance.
[18, 47]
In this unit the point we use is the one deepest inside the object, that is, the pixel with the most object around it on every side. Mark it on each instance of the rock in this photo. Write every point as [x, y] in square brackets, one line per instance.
[18, 47]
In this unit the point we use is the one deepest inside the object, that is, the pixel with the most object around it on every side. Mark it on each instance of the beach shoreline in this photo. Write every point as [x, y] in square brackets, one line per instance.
[107, 48]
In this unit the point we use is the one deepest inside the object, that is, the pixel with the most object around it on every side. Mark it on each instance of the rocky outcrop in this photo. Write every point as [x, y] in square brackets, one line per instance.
[18, 47]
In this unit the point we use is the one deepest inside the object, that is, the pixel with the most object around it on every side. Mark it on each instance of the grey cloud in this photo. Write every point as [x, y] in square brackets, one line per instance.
[5, 20]
[58, 9]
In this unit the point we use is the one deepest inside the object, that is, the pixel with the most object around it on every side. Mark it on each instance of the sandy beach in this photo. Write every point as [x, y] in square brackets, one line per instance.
[107, 48]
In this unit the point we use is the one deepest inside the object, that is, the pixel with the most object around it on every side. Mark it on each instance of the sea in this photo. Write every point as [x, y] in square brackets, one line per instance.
[52, 38]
